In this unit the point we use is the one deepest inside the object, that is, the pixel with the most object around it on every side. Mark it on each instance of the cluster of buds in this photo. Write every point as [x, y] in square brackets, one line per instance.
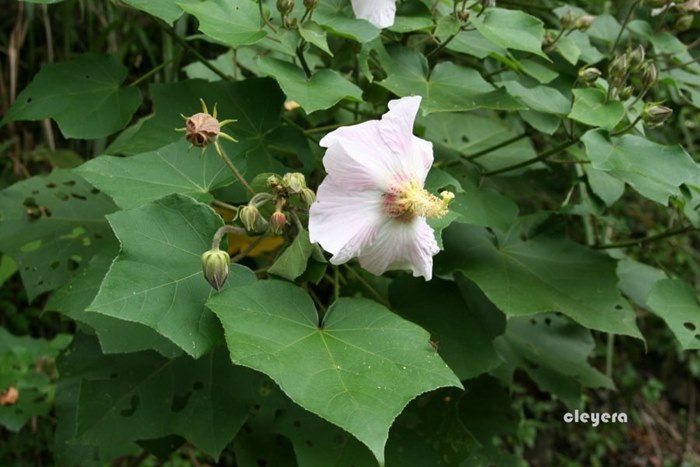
[284, 193]
[203, 128]
[630, 65]
[285, 7]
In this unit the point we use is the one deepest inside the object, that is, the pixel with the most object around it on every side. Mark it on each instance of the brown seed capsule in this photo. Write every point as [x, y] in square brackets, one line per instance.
[201, 129]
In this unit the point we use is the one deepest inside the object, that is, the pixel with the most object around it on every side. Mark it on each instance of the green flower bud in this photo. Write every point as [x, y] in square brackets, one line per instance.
[308, 196]
[294, 181]
[655, 115]
[683, 23]
[274, 182]
[649, 75]
[250, 217]
[310, 4]
[277, 222]
[588, 74]
[636, 58]
[618, 68]
[285, 6]
[626, 93]
[568, 20]
[584, 22]
[215, 265]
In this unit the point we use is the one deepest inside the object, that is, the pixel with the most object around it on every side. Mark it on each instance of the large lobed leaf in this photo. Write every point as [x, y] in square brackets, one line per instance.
[84, 96]
[157, 278]
[524, 277]
[358, 368]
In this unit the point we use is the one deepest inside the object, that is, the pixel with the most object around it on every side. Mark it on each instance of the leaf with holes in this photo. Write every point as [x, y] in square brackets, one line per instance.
[524, 277]
[358, 369]
[157, 278]
[677, 303]
[143, 396]
[447, 88]
[233, 22]
[84, 96]
[144, 178]
[554, 352]
[322, 90]
[51, 225]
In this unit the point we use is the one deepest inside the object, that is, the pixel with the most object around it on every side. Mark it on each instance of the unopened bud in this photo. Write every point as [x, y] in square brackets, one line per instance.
[589, 74]
[285, 6]
[9, 397]
[308, 196]
[683, 23]
[618, 69]
[250, 217]
[215, 264]
[636, 58]
[310, 4]
[294, 181]
[277, 222]
[626, 93]
[568, 20]
[584, 22]
[655, 114]
[274, 182]
[463, 15]
[650, 75]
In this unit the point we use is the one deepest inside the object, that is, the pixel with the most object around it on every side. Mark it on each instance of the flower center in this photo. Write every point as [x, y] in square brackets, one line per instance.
[407, 200]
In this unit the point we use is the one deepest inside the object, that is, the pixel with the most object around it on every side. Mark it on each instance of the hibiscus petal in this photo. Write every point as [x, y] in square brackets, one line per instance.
[344, 220]
[401, 245]
[378, 12]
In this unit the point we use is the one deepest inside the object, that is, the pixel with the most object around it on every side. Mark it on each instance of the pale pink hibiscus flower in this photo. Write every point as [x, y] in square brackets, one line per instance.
[378, 12]
[372, 205]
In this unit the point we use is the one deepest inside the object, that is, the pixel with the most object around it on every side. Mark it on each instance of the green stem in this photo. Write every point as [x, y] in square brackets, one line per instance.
[488, 150]
[627, 128]
[368, 286]
[264, 17]
[233, 168]
[200, 58]
[150, 73]
[302, 59]
[248, 249]
[219, 235]
[539, 158]
[624, 24]
[226, 206]
[645, 240]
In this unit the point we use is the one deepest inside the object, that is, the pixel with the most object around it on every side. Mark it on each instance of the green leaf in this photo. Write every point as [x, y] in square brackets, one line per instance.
[654, 170]
[147, 177]
[677, 303]
[167, 10]
[567, 48]
[412, 16]
[590, 107]
[292, 263]
[554, 352]
[637, 280]
[93, 81]
[446, 27]
[511, 29]
[448, 88]
[605, 186]
[540, 98]
[463, 332]
[115, 335]
[144, 396]
[524, 277]
[316, 35]
[50, 226]
[337, 18]
[265, 145]
[322, 91]
[8, 268]
[232, 22]
[469, 134]
[358, 369]
[473, 43]
[157, 278]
